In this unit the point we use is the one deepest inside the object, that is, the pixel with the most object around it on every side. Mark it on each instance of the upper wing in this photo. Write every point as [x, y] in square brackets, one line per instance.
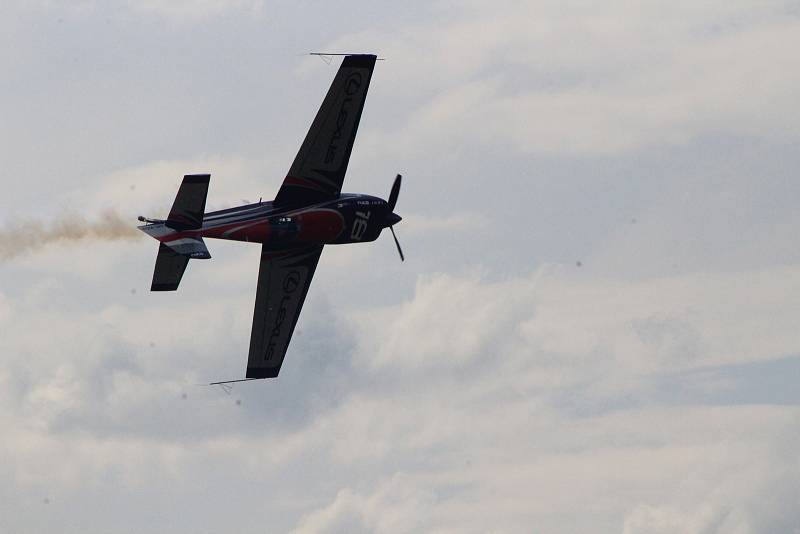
[319, 167]
[283, 281]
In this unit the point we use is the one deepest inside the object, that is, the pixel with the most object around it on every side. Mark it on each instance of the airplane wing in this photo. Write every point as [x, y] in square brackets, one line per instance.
[319, 167]
[283, 281]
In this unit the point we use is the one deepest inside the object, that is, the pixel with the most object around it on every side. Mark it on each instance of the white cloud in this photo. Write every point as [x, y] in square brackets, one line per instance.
[587, 324]
[565, 398]
[707, 520]
[153, 185]
[398, 505]
[601, 79]
[188, 11]
[455, 412]
[419, 223]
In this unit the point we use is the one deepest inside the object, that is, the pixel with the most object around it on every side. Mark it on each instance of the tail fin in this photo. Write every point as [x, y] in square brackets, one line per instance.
[190, 203]
[169, 269]
[186, 214]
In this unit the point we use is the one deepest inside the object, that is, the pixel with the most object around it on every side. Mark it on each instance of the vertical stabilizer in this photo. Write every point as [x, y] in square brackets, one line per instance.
[190, 203]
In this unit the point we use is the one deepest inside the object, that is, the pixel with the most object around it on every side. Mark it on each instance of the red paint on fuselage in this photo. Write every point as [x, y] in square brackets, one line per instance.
[318, 225]
[256, 230]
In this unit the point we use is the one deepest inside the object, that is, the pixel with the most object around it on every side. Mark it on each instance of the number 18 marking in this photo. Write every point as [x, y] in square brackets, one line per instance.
[360, 225]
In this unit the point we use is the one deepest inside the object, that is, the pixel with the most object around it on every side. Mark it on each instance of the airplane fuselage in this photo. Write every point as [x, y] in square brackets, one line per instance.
[351, 218]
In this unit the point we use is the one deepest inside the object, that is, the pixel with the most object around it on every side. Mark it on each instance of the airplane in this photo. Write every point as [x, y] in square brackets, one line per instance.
[309, 212]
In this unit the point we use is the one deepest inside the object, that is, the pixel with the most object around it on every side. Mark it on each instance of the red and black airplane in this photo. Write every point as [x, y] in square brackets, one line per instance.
[309, 212]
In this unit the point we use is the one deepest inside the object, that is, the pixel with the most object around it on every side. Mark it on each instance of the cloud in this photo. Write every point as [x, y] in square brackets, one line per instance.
[462, 409]
[189, 11]
[418, 223]
[396, 506]
[613, 80]
[656, 520]
[154, 184]
[488, 384]
[586, 325]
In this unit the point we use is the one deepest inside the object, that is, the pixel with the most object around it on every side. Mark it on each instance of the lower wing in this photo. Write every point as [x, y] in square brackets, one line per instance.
[283, 281]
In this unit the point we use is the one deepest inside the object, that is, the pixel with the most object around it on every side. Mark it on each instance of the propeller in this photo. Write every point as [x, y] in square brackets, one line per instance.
[396, 242]
[395, 192]
[393, 219]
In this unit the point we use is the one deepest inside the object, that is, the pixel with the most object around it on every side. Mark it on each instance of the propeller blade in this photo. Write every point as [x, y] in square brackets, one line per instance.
[396, 242]
[395, 192]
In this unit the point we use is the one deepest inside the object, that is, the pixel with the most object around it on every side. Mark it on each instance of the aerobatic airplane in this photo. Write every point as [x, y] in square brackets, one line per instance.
[309, 212]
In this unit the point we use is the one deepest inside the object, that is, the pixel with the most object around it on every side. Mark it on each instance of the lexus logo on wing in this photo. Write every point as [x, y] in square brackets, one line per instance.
[353, 84]
[291, 282]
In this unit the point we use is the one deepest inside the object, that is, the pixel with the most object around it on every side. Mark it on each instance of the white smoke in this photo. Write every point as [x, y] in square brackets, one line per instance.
[28, 236]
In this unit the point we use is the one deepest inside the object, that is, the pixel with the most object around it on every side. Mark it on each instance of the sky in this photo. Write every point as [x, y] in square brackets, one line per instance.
[594, 330]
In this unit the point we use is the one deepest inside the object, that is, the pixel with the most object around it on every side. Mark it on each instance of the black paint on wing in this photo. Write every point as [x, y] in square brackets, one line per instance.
[318, 170]
[168, 270]
[190, 203]
[283, 282]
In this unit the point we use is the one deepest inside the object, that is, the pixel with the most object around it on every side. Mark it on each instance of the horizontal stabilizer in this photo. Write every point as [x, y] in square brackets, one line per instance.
[169, 269]
[194, 247]
[190, 203]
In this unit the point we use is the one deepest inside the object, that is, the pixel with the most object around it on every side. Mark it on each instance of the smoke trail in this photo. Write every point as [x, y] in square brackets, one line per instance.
[27, 236]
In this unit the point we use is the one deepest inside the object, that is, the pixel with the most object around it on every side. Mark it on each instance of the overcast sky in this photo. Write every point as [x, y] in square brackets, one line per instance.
[595, 330]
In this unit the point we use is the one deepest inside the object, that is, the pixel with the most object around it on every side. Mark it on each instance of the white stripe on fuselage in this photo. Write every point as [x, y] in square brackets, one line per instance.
[182, 241]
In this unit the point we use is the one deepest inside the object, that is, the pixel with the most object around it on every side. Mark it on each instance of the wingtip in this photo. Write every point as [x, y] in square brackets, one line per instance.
[258, 373]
